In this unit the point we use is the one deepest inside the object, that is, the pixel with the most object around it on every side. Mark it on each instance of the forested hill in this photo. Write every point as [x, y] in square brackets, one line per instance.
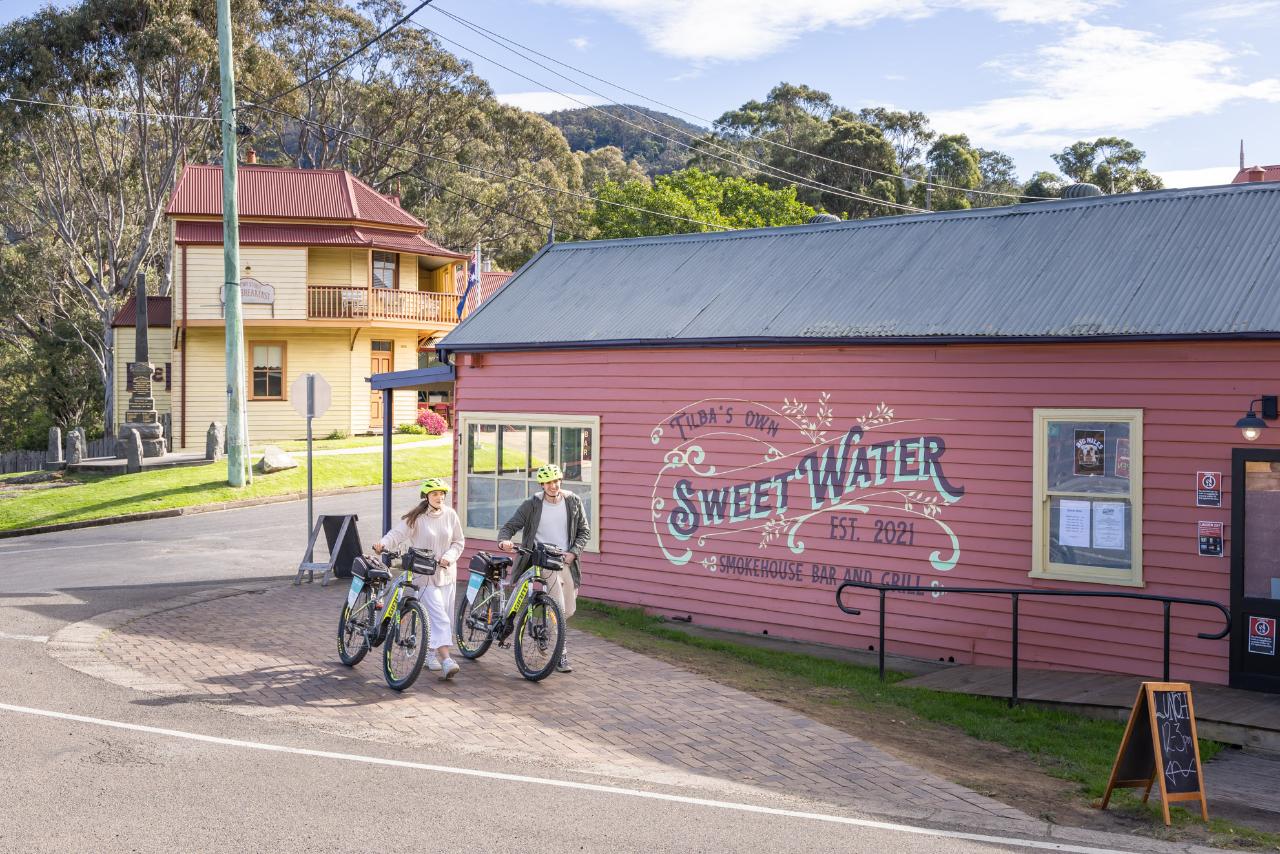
[589, 128]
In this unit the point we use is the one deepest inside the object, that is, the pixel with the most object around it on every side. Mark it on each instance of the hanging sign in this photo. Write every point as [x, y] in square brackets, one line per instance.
[1208, 489]
[1210, 534]
[1262, 635]
[1159, 744]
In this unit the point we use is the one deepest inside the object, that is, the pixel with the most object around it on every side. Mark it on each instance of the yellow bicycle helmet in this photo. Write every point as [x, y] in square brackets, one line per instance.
[435, 484]
[546, 474]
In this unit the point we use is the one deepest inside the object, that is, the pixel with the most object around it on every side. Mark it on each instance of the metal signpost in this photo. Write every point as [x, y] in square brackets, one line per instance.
[311, 395]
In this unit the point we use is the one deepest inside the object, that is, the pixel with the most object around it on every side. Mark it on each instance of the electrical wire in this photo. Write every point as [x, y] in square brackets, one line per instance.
[581, 196]
[766, 169]
[479, 30]
[361, 49]
[112, 110]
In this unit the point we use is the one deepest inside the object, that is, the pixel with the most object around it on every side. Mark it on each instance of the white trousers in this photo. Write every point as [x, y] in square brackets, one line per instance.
[560, 586]
[438, 602]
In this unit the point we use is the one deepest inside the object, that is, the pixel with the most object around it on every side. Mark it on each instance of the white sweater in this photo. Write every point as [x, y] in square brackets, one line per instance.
[440, 531]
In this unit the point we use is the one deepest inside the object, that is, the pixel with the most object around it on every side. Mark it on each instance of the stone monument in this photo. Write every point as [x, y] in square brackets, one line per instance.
[133, 450]
[215, 441]
[53, 459]
[141, 413]
[75, 447]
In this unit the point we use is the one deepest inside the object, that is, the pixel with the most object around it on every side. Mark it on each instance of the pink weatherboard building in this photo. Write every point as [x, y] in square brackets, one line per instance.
[1037, 396]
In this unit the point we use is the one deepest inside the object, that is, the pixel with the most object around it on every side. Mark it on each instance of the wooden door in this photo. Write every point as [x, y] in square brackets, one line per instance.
[380, 363]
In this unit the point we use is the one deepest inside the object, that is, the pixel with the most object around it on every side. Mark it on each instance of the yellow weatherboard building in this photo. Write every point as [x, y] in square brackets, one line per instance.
[336, 279]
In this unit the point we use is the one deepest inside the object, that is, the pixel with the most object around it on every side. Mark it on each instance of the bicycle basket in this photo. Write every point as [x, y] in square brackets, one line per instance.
[493, 566]
[422, 561]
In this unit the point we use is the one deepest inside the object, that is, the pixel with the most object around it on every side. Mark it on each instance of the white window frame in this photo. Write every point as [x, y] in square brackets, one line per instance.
[462, 430]
[1041, 565]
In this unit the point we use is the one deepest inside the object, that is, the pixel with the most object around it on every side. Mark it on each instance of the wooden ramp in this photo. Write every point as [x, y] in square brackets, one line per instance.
[1247, 718]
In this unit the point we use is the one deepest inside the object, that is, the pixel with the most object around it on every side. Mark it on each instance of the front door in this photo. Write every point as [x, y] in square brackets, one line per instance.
[380, 363]
[1255, 569]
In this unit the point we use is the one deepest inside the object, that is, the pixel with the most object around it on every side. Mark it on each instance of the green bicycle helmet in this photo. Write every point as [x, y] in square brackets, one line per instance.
[435, 484]
[546, 474]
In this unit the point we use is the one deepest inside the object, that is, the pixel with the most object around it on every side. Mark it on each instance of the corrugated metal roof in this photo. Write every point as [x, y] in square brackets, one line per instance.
[159, 312]
[273, 191]
[264, 234]
[1166, 263]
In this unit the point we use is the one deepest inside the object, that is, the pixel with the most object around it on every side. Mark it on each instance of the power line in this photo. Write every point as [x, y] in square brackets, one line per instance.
[273, 98]
[768, 170]
[482, 30]
[482, 170]
[112, 110]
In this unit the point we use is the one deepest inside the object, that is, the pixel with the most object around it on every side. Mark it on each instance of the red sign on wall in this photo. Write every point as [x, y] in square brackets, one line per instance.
[1262, 635]
[1208, 489]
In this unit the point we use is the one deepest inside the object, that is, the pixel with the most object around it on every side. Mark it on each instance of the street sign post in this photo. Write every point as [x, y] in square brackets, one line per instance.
[311, 395]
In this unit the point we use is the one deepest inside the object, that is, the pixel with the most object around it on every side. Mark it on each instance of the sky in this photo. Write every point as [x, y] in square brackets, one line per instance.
[1185, 81]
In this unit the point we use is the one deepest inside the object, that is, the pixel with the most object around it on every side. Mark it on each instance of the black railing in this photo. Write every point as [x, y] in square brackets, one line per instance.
[1015, 593]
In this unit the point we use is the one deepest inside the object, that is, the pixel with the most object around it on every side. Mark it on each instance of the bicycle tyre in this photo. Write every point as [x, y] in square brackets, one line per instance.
[349, 630]
[491, 598]
[553, 625]
[412, 615]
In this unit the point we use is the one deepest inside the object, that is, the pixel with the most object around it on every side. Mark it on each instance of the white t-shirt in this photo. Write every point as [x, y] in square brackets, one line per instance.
[553, 527]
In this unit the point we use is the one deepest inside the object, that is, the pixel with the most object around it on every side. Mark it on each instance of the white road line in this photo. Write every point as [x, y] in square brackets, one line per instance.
[32, 638]
[568, 784]
[6, 552]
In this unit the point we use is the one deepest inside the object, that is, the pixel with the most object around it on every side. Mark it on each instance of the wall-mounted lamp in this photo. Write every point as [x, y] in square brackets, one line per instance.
[1252, 425]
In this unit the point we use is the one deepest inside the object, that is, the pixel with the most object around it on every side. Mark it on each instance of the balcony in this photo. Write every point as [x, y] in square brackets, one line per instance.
[338, 302]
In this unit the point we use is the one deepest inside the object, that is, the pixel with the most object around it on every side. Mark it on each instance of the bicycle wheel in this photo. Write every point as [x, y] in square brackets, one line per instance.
[471, 632]
[539, 638]
[353, 643]
[406, 646]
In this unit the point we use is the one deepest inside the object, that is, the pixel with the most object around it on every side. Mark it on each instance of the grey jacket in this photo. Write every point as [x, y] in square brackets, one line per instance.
[526, 519]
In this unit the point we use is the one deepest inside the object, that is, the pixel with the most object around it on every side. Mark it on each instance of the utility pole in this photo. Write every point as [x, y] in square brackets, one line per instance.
[237, 451]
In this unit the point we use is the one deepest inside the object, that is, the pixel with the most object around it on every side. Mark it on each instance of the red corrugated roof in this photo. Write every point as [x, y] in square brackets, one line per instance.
[1272, 174]
[159, 312]
[263, 234]
[490, 281]
[273, 191]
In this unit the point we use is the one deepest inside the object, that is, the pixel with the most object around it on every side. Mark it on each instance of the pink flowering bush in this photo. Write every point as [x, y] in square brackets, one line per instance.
[431, 422]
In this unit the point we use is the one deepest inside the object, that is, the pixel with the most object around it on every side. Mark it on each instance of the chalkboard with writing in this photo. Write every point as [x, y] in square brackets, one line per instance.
[1159, 746]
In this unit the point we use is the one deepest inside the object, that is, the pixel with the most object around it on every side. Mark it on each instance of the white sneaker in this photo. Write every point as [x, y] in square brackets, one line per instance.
[433, 664]
[450, 669]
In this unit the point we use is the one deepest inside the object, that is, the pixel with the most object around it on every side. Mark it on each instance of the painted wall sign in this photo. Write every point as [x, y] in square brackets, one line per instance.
[1210, 535]
[1208, 489]
[1262, 635]
[751, 488]
[253, 292]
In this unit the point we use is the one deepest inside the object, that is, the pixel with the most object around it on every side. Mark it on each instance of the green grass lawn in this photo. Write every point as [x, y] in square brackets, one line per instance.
[371, 442]
[98, 496]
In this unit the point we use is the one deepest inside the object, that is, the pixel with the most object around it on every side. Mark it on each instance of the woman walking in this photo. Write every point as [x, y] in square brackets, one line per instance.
[434, 525]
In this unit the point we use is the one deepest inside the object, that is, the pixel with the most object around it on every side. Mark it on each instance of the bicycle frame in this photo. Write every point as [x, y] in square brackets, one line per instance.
[388, 601]
[515, 599]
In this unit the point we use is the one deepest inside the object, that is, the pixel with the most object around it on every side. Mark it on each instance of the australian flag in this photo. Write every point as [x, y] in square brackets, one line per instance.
[473, 281]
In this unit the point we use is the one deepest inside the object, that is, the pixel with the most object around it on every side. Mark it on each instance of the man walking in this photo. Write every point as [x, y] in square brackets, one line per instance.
[556, 518]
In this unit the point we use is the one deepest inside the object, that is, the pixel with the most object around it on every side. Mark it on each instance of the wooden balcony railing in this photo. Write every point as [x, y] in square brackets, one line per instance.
[337, 302]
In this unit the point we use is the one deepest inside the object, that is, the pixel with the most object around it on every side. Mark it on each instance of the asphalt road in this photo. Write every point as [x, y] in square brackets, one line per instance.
[200, 779]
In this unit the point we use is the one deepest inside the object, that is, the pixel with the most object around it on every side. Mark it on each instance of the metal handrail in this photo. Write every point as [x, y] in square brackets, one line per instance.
[1015, 593]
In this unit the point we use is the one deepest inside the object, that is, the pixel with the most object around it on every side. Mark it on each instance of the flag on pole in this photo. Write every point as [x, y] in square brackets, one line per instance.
[473, 280]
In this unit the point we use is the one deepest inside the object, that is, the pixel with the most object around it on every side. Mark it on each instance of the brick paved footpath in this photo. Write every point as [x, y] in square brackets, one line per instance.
[620, 715]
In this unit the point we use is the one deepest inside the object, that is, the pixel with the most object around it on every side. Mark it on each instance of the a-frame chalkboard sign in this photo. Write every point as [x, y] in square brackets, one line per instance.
[1160, 744]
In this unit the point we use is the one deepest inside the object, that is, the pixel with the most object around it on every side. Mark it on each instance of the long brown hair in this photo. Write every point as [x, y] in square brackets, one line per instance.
[415, 514]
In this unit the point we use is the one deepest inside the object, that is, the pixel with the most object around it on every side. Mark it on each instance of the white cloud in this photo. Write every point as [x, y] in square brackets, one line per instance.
[1209, 176]
[1236, 11]
[746, 29]
[1105, 80]
[546, 102]
[581, 43]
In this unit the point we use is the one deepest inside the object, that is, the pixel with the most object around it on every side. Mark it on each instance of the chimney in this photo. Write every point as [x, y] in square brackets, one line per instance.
[250, 156]
[1255, 173]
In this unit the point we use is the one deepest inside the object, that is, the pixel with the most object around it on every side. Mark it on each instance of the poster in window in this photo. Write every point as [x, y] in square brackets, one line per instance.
[1122, 457]
[1073, 523]
[1108, 525]
[1090, 453]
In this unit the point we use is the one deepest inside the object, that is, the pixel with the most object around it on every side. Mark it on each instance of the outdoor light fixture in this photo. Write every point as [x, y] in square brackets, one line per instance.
[1251, 425]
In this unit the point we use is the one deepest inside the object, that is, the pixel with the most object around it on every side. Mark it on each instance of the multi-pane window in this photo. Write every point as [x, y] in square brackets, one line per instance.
[268, 370]
[1088, 493]
[500, 453]
[384, 269]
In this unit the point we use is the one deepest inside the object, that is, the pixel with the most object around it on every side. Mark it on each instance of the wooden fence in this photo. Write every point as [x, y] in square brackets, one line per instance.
[16, 461]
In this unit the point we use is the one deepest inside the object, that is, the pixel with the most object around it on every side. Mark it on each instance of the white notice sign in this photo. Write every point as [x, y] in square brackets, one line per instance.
[1108, 525]
[1073, 523]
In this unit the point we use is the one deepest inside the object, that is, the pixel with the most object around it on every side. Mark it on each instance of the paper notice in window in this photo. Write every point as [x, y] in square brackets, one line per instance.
[1073, 523]
[1108, 525]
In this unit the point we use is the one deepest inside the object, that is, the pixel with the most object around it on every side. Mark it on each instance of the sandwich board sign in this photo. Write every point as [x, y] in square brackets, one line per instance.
[1160, 745]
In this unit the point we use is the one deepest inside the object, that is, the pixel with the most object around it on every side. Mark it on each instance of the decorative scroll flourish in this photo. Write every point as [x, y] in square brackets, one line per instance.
[814, 429]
